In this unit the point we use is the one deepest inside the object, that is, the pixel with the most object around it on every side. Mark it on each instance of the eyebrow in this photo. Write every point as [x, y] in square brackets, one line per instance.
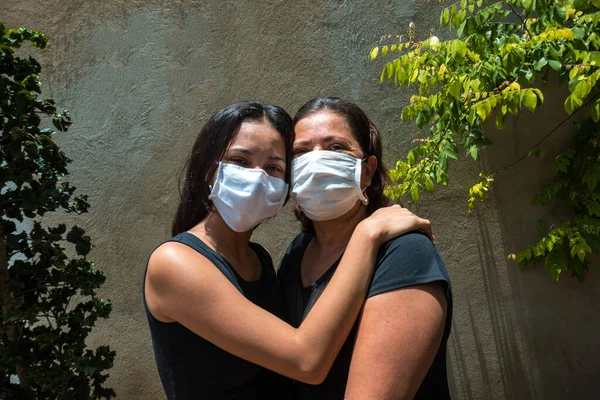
[327, 139]
[248, 152]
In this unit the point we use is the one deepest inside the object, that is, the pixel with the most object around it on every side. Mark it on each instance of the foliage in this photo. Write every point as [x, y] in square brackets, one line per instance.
[47, 285]
[503, 53]
[574, 187]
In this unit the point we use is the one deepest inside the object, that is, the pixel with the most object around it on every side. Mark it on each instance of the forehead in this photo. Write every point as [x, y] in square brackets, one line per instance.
[258, 135]
[320, 125]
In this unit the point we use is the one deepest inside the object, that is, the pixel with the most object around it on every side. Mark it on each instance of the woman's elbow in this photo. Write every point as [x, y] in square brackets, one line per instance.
[314, 375]
[312, 360]
[312, 368]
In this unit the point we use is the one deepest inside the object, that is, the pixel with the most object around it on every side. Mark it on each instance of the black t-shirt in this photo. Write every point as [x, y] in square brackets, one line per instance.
[191, 367]
[407, 260]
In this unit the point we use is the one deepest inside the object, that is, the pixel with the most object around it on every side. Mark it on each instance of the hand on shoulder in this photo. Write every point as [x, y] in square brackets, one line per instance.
[389, 222]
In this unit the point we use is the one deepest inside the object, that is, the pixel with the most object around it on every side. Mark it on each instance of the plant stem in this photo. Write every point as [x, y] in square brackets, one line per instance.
[523, 26]
[547, 135]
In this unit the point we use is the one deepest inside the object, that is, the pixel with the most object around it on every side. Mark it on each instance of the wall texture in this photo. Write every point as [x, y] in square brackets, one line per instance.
[140, 77]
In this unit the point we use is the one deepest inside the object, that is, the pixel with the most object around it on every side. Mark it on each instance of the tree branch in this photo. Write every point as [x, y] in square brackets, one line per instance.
[547, 135]
[523, 25]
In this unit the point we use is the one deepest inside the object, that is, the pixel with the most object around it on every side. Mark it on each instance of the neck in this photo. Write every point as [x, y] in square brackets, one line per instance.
[337, 232]
[221, 237]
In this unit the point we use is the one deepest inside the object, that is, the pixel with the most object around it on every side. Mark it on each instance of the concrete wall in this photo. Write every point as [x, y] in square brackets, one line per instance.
[140, 78]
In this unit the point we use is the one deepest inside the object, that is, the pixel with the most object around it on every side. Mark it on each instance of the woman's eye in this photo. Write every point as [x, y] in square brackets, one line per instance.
[275, 168]
[238, 161]
[336, 147]
[298, 152]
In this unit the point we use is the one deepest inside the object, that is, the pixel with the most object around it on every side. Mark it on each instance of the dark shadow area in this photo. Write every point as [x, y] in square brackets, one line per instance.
[547, 343]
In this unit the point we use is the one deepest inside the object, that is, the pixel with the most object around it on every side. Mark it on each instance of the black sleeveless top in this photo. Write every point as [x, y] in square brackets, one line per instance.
[191, 367]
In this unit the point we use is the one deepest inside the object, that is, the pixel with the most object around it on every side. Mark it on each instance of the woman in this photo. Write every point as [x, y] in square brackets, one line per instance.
[211, 296]
[397, 348]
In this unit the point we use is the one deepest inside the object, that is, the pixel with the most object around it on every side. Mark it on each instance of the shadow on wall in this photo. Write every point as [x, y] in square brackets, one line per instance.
[540, 340]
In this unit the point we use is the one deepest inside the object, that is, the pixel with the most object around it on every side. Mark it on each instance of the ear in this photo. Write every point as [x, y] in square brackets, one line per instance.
[368, 170]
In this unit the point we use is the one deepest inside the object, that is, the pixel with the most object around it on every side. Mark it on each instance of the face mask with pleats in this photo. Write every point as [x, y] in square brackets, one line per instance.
[245, 197]
[326, 184]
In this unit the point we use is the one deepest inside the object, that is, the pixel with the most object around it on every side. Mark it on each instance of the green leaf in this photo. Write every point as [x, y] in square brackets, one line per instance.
[374, 52]
[389, 70]
[483, 109]
[411, 159]
[461, 29]
[579, 32]
[445, 17]
[595, 112]
[555, 65]
[455, 88]
[458, 49]
[572, 103]
[473, 151]
[414, 192]
[429, 185]
[541, 64]
[449, 151]
[529, 100]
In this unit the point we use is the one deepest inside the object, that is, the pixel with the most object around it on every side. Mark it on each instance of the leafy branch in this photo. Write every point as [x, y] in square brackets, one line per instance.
[493, 68]
[47, 284]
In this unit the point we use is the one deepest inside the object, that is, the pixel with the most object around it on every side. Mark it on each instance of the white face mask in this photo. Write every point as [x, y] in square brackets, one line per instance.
[326, 184]
[245, 197]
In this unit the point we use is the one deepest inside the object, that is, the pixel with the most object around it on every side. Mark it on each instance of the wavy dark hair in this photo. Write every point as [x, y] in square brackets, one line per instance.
[212, 142]
[366, 134]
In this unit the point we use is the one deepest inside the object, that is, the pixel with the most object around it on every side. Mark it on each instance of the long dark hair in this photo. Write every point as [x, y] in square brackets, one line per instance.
[211, 144]
[366, 134]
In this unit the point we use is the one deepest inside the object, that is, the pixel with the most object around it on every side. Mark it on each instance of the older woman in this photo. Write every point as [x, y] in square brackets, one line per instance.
[397, 348]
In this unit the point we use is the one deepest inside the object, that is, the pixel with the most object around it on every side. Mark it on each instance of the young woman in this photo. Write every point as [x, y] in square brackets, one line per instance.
[212, 299]
[397, 348]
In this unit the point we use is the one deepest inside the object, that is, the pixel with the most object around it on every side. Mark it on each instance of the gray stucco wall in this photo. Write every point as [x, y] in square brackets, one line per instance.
[140, 78]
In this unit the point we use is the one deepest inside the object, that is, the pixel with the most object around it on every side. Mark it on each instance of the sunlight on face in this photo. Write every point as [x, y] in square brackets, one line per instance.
[258, 145]
[325, 130]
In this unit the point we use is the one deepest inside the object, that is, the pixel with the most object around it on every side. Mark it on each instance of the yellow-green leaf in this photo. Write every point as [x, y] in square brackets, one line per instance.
[483, 110]
[458, 49]
[529, 100]
[374, 53]
[429, 185]
[414, 192]
[389, 70]
[454, 88]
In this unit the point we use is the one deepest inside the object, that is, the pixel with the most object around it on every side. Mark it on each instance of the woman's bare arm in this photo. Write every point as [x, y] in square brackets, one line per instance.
[398, 337]
[184, 286]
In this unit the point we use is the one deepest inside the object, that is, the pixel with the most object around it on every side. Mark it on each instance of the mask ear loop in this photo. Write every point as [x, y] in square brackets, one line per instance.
[364, 191]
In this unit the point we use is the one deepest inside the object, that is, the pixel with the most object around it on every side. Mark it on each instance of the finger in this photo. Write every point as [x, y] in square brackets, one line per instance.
[426, 226]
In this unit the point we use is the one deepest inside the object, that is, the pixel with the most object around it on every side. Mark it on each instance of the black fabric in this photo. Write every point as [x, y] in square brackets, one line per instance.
[407, 260]
[191, 367]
